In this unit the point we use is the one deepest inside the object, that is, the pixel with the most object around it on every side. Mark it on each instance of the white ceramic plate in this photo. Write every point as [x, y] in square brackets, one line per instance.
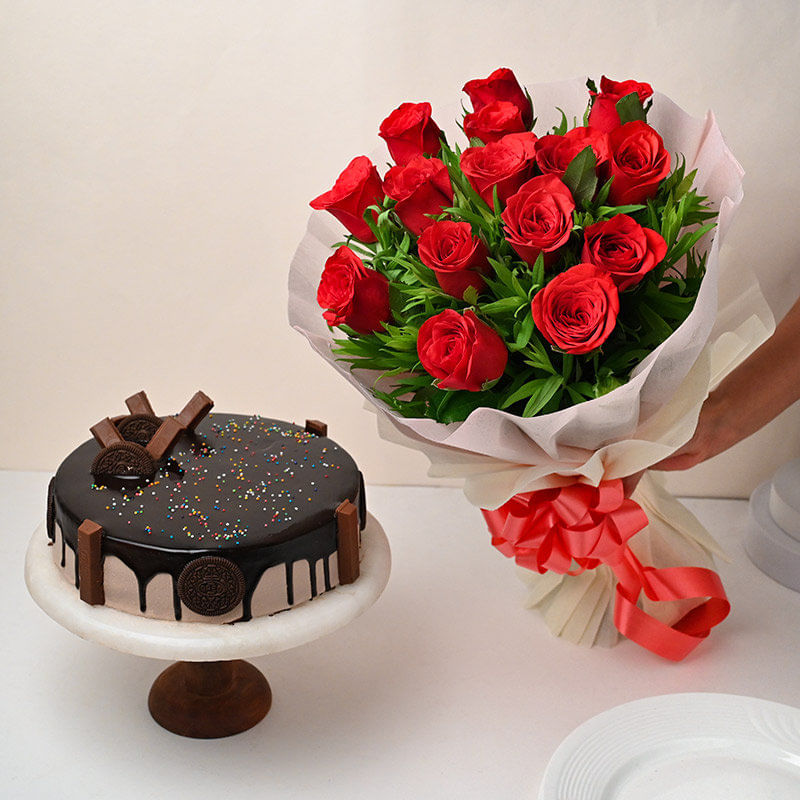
[681, 747]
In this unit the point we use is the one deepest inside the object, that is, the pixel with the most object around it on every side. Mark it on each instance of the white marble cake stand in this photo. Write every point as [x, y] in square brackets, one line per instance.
[210, 692]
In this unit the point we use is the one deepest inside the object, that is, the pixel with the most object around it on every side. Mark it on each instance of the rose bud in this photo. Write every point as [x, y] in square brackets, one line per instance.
[554, 153]
[578, 309]
[500, 85]
[603, 114]
[421, 187]
[623, 249]
[538, 218]
[638, 163]
[506, 164]
[493, 122]
[461, 352]
[456, 256]
[352, 294]
[358, 187]
[409, 131]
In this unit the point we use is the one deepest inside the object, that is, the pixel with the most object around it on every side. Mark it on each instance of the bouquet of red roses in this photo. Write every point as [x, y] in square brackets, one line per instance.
[536, 314]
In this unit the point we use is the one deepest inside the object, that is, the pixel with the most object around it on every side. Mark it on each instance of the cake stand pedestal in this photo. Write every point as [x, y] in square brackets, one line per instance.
[211, 692]
[209, 699]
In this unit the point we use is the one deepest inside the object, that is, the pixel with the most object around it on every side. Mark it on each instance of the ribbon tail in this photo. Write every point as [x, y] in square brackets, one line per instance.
[676, 641]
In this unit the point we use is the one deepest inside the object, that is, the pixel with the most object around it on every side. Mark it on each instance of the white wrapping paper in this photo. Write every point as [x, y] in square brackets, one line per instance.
[498, 454]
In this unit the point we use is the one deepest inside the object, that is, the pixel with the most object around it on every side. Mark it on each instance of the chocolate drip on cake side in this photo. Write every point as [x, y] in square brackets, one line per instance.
[146, 563]
[278, 469]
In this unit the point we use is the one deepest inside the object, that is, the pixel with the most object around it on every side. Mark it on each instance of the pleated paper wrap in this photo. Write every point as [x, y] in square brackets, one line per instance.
[498, 455]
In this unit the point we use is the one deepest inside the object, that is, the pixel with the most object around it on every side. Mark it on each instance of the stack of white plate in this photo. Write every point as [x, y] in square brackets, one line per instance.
[773, 535]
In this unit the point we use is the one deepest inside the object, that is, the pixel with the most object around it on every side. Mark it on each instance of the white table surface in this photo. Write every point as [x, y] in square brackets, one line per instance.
[446, 688]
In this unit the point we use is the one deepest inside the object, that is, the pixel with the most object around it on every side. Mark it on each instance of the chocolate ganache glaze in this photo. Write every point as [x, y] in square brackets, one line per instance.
[252, 491]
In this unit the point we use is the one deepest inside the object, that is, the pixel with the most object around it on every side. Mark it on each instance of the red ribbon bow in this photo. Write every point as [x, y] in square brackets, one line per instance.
[557, 529]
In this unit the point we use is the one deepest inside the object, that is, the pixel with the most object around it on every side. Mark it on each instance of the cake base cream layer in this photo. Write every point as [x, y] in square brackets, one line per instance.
[122, 592]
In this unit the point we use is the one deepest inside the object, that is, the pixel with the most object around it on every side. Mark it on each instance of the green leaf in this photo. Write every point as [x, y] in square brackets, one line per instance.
[602, 195]
[667, 304]
[584, 388]
[684, 186]
[563, 126]
[581, 177]
[505, 305]
[461, 404]
[538, 401]
[537, 272]
[606, 384]
[524, 391]
[508, 278]
[688, 241]
[402, 339]
[471, 295]
[460, 182]
[654, 323]
[412, 382]
[536, 355]
[575, 396]
[523, 334]
[651, 217]
[670, 224]
[611, 211]
[476, 220]
[630, 108]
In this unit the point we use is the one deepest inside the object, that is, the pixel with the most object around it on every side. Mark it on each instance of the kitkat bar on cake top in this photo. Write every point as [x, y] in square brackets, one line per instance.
[205, 517]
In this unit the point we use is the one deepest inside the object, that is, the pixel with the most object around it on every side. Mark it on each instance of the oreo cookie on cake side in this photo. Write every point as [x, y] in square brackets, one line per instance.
[206, 516]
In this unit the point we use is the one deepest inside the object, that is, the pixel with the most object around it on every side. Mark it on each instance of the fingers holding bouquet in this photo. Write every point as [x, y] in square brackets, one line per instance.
[752, 395]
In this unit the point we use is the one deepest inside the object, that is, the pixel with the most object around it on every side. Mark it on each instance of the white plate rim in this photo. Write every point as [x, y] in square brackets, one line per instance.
[607, 722]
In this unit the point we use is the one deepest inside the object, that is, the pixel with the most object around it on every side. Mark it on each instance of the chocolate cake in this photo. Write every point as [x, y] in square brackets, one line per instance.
[205, 516]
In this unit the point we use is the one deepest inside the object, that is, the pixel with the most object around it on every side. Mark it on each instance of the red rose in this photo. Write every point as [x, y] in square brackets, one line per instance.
[500, 85]
[624, 249]
[352, 294]
[554, 153]
[421, 187]
[604, 114]
[638, 163]
[358, 187]
[409, 131]
[578, 309]
[456, 256]
[538, 218]
[461, 352]
[506, 164]
[494, 121]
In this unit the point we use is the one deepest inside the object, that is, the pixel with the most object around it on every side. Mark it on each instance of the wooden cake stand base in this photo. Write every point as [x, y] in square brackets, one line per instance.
[210, 692]
[209, 699]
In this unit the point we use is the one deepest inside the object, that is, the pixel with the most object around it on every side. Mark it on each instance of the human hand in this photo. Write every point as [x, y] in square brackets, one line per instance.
[716, 431]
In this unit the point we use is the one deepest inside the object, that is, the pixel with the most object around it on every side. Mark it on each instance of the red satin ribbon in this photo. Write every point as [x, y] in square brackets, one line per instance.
[553, 529]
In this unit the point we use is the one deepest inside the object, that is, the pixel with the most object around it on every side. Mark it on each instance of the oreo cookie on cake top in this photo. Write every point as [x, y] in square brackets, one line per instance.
[213, 518]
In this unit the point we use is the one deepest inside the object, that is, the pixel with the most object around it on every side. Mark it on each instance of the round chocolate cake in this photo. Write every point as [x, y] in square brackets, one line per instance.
[242, 516]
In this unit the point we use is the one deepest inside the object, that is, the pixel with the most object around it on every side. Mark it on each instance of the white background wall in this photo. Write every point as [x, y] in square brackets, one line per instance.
[157, 158]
